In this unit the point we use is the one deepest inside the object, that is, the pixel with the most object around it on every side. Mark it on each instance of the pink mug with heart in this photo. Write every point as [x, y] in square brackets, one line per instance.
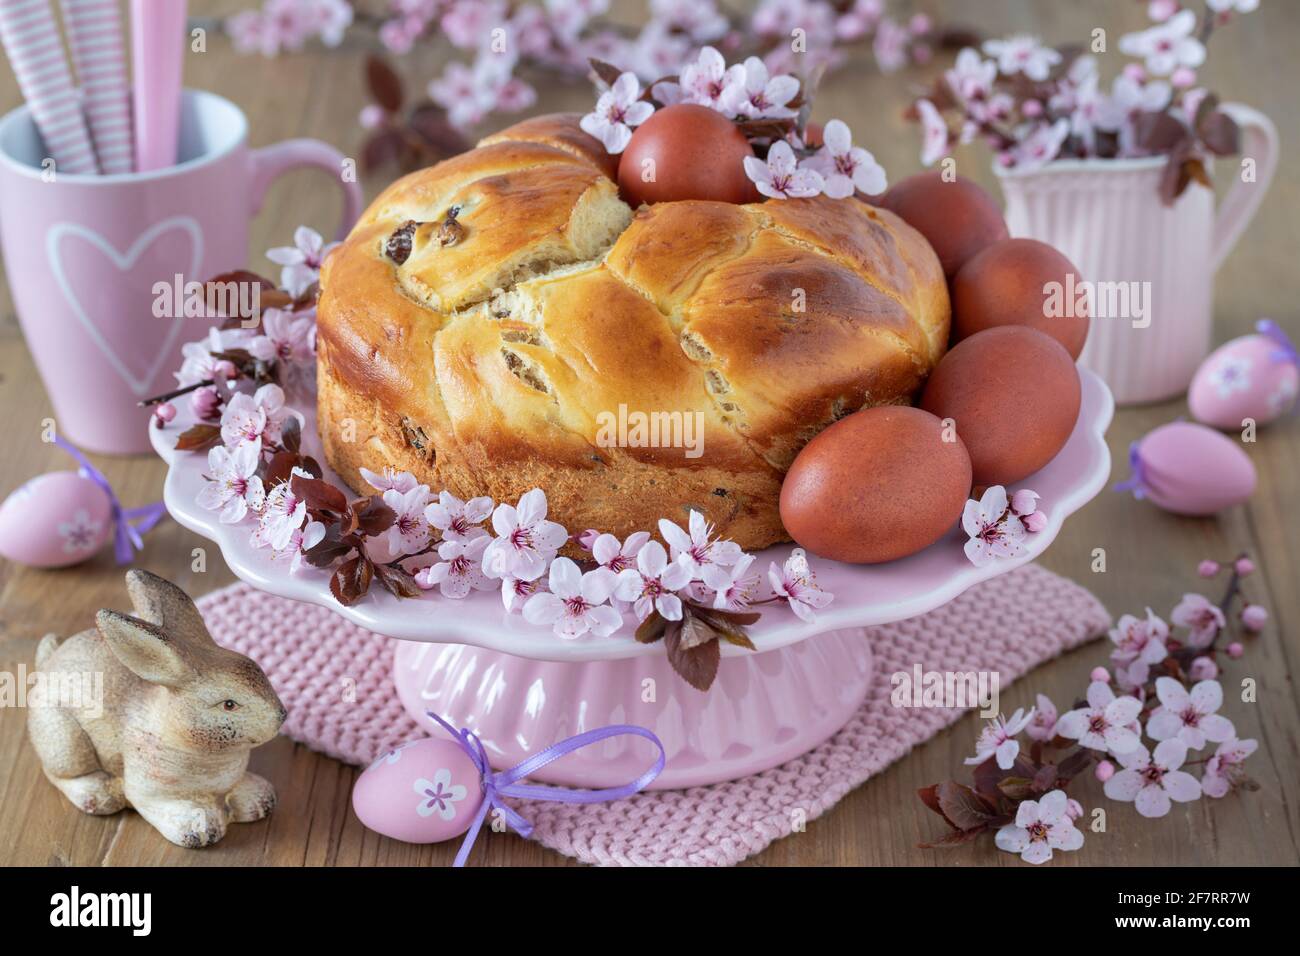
[84, 254]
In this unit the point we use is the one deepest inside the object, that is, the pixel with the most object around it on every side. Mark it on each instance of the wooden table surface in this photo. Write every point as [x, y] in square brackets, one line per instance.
[1150, 555]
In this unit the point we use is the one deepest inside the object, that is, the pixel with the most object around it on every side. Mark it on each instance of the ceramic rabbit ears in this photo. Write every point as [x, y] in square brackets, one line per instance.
[152, 645]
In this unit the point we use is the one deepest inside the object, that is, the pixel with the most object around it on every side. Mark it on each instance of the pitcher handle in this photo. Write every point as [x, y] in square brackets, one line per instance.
[1258, 142]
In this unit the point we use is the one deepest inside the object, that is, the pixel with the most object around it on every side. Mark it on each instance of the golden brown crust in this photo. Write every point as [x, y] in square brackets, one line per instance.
[499, 362]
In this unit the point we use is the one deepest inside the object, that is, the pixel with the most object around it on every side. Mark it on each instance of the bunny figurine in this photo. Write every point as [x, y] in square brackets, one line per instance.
[168, 730]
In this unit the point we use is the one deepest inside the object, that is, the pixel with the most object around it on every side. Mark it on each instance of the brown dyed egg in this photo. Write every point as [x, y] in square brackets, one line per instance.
[1020, 282]
[1013, 393]
[878, 485]
[686, 152]
[958, 217]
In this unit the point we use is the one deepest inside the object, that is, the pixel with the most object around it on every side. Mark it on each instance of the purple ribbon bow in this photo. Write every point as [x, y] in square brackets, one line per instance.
[504, 783]
[128, 523]
[1137, 482]
[1284, 348]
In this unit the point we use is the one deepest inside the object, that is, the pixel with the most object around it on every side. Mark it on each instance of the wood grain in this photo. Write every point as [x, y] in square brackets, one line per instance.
[1150, 555]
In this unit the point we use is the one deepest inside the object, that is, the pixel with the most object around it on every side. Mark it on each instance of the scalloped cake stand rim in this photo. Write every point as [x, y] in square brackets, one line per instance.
[865, 595]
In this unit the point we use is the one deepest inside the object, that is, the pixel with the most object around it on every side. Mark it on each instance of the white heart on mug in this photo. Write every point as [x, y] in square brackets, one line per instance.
[124, 262]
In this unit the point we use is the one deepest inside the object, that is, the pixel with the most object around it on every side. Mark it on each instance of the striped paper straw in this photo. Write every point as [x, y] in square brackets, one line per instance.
[36, 53]
[95, 35]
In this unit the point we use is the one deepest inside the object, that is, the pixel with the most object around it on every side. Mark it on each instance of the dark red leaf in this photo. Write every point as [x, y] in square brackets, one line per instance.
[328, 550]
[953, 838]
[319, 495]
[1074, 764]
[1045, 779]
[1160, 132]
[1017, 788]
[397, 581]
[384, 84]
[695, 631]
[698, 665]
[962, 805]
[279, 468]
[373, 517]
[381, 149]
[291, 434]
[651, 629]
[430, 123]
[930, 797]
[198, 437]
[607, 72]
[351, 581]
[1220, 133]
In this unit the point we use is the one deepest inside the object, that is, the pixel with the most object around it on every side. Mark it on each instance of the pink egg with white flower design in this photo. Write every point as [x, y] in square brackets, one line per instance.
[426, 791]
[55, 520]
[1249, 377]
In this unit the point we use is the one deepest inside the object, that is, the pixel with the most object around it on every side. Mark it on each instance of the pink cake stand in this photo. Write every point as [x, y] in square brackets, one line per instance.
[521, 688]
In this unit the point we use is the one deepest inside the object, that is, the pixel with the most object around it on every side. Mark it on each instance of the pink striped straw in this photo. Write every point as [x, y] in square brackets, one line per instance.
[95, 36]
[36, 53]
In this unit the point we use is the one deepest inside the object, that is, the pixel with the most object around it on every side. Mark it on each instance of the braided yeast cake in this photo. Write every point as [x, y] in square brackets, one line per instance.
[488, 317]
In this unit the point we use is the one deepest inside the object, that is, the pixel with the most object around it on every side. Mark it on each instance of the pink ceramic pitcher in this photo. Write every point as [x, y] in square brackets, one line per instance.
[83, 255]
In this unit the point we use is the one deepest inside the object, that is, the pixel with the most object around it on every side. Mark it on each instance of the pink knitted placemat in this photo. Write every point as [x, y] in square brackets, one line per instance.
[1011, 624]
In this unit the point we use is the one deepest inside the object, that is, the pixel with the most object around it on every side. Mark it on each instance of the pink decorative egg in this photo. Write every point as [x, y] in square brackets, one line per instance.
[1193, 470]
[1244, 378]
[55, 520]
[426, 791]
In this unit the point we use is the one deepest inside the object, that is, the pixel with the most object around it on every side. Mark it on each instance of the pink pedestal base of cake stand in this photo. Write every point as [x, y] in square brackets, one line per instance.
[763, 710]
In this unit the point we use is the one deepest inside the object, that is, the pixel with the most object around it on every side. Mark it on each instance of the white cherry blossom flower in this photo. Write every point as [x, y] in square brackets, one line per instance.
[972, 76]
[460, 569]
[1041, 826]
[1191, 717]
[1139, 643]
[233, 487]
[282, 514]
[845, 167]
[199, 359]
[1229, 6]
[1106, 723]
[1150, 782]
[995, 532]
[526, 542]
[255, 418]
[697, 549]
[650, 586]
[756, 94]
[402, 481]
[1201, 617]
[575, 603]
[616, 557]
[1166, 46]
[703, 82]
[794, 583]
[409, 533]
[459, 520]
[1023, 54]
[1041, 146]
[1223, 771]
[515, 592]
[301, 262]
[1042, 725]
[285, 337]
[998, 739]
[731, 588]
[781, 177]
[935, 138]
[618, 110]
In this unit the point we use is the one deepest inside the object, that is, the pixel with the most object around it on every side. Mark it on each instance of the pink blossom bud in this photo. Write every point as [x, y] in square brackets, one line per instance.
[1203, 668]
[1235, 650]
[1105, 770]
[1024, 502]
[1035, 522]
[1183, 78]
[206, 404]
[225, 369]
[1244, 566]
[1073, 809]
[1100, 674]
[1162, 10]
[1135, 72]
[1207, 568]
[165, 412]
[920, 24]
[372, 116]
[1031, 108]
[1006, 160]
[587, 540]
[1254, 617]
